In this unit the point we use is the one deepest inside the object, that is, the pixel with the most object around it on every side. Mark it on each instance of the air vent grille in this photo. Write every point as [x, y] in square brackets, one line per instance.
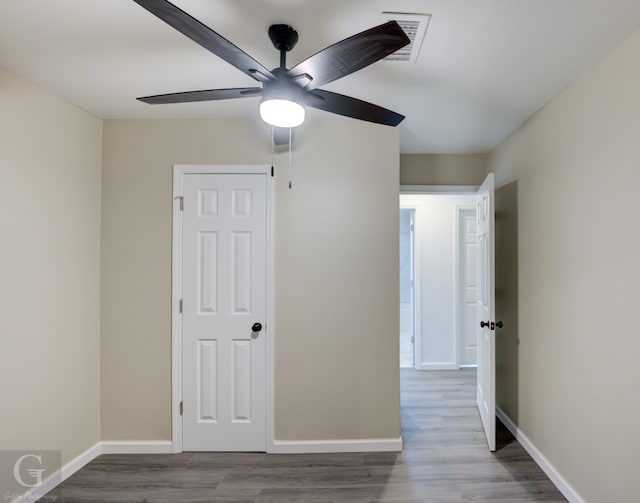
[415, 26]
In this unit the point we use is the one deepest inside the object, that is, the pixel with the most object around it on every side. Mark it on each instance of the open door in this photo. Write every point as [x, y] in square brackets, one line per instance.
[486, 392]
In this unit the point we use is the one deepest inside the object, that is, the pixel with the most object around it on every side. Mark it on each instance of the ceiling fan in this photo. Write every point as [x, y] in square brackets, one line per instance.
[285, 92]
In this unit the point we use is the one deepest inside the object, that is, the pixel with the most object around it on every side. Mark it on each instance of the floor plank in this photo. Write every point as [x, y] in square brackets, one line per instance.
[445, 460]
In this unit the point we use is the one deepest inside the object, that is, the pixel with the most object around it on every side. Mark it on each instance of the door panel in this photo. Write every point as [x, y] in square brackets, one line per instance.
[224, 250]
[486, 310]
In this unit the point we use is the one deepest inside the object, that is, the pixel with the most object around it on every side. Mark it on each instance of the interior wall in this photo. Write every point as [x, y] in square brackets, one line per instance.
[443, 169]
[50, 161]
[435, 236]
[336, 273]
[506, 289]
[576, 167]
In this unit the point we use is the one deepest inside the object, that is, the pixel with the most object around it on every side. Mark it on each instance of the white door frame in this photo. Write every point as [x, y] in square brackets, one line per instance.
[179, 171]
[417, 340]
[415, 289]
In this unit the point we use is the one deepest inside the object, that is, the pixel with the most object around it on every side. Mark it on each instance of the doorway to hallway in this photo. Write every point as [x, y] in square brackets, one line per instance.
[438, 283]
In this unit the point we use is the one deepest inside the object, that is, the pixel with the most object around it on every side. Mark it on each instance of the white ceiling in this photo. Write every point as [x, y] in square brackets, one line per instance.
[484, 68]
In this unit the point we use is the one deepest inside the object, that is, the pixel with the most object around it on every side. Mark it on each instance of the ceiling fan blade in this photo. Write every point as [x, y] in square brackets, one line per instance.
[351, 54]
[281, 135]
[206, 37]
[352, 107]
[205, 95]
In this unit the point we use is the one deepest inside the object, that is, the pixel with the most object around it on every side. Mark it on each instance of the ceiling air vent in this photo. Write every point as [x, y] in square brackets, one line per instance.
[415, 26]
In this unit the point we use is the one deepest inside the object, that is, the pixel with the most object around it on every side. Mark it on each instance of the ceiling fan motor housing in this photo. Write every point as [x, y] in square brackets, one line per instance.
[283, 89]
[283, 37]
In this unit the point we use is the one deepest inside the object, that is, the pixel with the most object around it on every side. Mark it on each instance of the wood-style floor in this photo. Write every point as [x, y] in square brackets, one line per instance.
[445, 460]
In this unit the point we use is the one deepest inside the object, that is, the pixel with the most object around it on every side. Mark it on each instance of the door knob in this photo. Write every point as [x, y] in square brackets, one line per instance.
[499, 324]
[257, 327]
[484, 324]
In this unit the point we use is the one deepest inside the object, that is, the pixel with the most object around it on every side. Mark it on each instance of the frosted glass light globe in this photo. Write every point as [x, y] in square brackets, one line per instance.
[282, 113]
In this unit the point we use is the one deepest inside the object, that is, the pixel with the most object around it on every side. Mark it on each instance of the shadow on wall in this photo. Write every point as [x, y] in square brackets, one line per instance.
[507, 338]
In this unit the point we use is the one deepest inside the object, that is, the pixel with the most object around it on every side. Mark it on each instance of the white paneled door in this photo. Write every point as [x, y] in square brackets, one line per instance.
[224, 283]
[486, 310]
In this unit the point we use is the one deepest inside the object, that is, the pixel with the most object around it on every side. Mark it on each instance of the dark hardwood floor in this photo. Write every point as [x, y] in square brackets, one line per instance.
[445, 460]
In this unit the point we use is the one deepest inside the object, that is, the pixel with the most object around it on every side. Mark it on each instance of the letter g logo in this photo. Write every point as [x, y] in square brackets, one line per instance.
[34, 473]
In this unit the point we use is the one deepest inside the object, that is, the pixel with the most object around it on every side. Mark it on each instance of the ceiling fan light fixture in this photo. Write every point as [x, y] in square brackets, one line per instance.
[286, 92]
[281, 112]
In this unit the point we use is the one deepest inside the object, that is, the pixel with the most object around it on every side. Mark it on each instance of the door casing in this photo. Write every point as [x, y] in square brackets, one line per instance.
[179, 172]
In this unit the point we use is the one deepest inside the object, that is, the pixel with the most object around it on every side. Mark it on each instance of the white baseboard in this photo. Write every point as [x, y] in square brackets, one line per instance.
[320, 446]
[437, 366]
[559, 481]
[166, 447]
[60, 475]
[136, 447]
[106, 447]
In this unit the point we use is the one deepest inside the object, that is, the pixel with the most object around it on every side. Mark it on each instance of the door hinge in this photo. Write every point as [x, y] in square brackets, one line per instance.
[180, 306]
[181, 408]
[272, 171]
[181, 199]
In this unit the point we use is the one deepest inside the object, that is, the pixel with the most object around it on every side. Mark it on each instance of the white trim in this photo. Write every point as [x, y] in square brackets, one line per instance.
[438, 189]
[438, 366]
[60, 475]
[208, 169]
[166, 447]
[559, 481]
[323, 446]
[417, 281]
[270, 314]
[415, 290]
[179, 171]
[83, 459]
[415, 294]
[457, 301]
[176, 325]
[136, 447]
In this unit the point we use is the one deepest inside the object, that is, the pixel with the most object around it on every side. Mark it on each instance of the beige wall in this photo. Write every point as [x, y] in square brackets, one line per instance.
[577, 169]
[50, 157]
[442, 169]
[506, 260]
[336, 341]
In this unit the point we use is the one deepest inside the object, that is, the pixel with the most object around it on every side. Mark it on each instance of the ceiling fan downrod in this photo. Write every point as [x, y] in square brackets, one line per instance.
[284, 38]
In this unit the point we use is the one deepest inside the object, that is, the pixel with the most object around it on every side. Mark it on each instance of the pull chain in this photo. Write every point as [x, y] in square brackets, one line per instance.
[290, 183]
[273, 141]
